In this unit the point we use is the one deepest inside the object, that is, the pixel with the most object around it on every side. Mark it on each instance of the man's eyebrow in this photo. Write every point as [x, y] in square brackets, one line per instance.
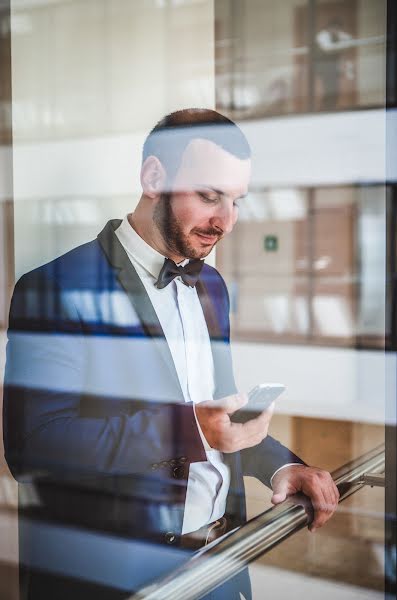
[242, 196]
[219, 192]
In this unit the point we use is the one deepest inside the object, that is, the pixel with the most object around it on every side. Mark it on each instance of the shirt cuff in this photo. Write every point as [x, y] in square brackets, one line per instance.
[206, 445]
[283, 467]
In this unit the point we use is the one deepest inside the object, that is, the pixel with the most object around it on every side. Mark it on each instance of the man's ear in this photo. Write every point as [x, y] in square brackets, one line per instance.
[153, 177]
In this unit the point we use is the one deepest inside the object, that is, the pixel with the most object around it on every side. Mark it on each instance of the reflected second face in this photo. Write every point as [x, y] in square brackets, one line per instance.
[203, 204]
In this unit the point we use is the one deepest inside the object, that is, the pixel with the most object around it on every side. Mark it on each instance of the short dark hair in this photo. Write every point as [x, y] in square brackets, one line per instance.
[169, 138]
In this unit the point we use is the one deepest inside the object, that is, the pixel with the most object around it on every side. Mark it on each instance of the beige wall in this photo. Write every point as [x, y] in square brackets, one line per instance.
[371, 61]
[90, 78]
[91, 67]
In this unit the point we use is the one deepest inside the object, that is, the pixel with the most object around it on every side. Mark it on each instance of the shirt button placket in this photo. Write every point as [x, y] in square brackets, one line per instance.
[181, 290]
[191, 358]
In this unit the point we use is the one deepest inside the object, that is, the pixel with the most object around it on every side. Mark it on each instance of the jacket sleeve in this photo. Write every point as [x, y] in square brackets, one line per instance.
[263, 460]
[45, 429]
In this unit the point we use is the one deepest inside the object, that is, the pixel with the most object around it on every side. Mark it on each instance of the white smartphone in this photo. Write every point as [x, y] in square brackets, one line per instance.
[262, 395]
[259, 399]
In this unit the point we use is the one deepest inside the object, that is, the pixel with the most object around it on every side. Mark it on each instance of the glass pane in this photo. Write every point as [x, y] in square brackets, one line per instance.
[349, 63]
[261, 57]
[277, 58]
[159, 262]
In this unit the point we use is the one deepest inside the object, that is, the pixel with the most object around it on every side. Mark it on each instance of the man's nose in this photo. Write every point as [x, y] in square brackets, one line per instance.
[224, 218]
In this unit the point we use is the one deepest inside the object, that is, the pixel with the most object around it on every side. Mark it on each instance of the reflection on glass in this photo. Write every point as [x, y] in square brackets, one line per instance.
[277, 58]
[304, 268]
[306, 265]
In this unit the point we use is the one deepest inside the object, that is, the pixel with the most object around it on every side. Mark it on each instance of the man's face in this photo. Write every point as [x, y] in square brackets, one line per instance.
[203, 204]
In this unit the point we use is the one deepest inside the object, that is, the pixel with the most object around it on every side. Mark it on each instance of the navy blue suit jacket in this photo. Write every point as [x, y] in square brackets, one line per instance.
[93, 409]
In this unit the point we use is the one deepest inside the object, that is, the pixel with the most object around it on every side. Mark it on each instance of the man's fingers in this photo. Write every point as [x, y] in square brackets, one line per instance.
[324, 497]
[319, 509]
[235, 402]
[331, 496]
[258, 423]
[226, 435]
[239, 440]
[252, 432]
[319, 496]
[336, 493]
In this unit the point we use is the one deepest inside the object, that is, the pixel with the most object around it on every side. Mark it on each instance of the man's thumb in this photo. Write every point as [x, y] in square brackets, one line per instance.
[233, 403]
[278, 497]
[280, 491]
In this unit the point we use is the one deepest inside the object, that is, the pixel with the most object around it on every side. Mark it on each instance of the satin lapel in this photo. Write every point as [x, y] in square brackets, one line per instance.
[135, 290]
[223, 368]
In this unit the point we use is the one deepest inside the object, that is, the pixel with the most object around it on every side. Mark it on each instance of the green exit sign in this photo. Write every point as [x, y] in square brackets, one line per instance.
[271, 243]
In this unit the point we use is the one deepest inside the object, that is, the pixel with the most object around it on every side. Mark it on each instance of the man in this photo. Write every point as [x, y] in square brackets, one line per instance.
[331, 45]
[119, 385]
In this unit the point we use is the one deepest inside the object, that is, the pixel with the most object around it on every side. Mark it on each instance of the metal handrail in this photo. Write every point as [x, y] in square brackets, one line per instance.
[228, 556]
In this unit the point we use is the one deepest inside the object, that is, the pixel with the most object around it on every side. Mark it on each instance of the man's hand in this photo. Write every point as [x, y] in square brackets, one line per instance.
[224, 435]
[317, 484]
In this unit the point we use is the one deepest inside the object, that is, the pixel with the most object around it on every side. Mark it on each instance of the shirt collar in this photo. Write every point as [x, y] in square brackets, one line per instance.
[151, 260]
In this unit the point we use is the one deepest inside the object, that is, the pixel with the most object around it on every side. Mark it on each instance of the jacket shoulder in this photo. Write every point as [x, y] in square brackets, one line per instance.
[41, 296]
[83, 266]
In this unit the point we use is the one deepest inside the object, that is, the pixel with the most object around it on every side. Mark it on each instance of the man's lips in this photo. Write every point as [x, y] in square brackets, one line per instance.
[209, 239]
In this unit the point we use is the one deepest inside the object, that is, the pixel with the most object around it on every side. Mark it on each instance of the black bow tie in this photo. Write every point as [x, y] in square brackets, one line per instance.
[189, 273]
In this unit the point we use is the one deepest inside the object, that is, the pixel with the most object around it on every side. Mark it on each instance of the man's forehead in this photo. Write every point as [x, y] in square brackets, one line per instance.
[204, 163]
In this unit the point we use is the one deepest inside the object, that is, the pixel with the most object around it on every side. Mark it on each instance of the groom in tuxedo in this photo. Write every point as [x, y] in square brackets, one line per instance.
[120, 404]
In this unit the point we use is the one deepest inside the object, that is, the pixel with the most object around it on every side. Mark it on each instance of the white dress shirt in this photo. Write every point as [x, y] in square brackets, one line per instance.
[181, 317]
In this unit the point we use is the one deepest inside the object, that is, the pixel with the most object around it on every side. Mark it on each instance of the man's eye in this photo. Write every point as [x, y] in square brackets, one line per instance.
[207, 197]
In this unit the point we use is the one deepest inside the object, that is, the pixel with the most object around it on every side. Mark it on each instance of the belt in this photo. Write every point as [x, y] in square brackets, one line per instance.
[205, 535]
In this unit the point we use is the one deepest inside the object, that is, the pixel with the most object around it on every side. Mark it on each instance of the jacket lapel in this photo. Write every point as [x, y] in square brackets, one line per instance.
[135, 290]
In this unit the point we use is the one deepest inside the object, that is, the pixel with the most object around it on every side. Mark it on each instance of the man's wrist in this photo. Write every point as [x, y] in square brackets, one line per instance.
[283, 467]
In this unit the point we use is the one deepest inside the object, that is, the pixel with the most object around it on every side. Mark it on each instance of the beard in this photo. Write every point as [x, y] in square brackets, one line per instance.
[171, 230]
